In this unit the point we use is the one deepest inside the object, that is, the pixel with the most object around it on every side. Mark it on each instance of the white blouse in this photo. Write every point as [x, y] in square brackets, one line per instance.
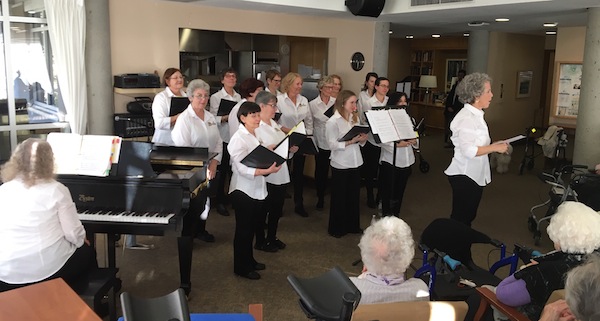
[342, 156]
[215, 100]
[363, 98]
[243, 179]
[371, 102]
[469, 132]
[40, 230]
[234, 123]
[317, 109]
[160, 114]
[292, 114]
[270, 135]
[191, 131]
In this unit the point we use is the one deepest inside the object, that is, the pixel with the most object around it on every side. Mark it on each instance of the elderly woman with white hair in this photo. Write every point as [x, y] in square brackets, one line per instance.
[387, 248]
[574, 231]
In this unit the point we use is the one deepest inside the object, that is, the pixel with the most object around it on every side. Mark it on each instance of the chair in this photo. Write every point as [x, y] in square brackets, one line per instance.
[97, 284]
[489, 298]
[169, 307]
[328, 297]
[415, 311]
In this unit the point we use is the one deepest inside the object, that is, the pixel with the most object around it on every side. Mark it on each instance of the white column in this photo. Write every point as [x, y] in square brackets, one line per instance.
[98, 66]
[477, 55]
[587, 149]
[381, 48]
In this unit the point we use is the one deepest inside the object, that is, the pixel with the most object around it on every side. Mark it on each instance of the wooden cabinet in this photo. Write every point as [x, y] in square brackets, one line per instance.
[432, 113]
[421, 64]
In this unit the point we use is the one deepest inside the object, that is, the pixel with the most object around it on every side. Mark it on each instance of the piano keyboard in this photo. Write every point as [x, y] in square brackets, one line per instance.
[125, 216]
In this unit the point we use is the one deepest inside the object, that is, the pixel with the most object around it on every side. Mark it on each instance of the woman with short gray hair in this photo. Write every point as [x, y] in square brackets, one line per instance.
[387, 248]
[469, 172]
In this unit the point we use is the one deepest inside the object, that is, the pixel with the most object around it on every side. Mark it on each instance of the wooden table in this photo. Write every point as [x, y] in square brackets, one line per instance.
[51, 300]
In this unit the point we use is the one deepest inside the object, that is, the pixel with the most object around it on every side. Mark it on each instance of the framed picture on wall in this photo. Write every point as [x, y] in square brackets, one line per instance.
[524, 82]
[565, 99]
[452, 68]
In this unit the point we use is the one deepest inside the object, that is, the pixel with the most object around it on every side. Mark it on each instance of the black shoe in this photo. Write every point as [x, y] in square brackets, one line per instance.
[252, 275]
[320, 204]
[280, 245]
[259, 266]
[267, 247]
[222, 210]
[301, 211]
[206, 237]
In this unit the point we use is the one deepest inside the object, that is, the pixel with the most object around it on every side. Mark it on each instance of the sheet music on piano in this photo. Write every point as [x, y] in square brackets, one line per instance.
[91, 155]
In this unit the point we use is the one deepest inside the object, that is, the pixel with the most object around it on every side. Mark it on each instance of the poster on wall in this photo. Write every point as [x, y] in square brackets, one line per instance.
[568, 87]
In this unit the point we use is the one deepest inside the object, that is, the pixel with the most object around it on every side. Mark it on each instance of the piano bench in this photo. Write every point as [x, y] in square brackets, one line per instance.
[97, 284]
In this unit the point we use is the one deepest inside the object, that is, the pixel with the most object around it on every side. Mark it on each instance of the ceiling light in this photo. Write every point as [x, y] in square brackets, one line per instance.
[477, 24]
[390, 32]
[409, 36]
[551, 32]
[466, 34]
[435, 36]
[550, 24]
[502, 20]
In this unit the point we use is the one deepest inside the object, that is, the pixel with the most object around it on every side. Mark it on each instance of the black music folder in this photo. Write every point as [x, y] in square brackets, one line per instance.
[178, 105]
[295, 136]
[277, 116]
[357, 129]
[329, 112]
[225, 107]
[308, 147]
[135, 160]
[262, 157]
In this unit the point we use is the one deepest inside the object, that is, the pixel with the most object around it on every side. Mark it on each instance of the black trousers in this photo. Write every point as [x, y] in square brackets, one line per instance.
[466, 195]
[274, 209]
[391, 177]
[370, 154]
[224, 173]
[248, 213]
[298, 179]
[192, 224]
[77, 266]
[344, 213]
[322, 172]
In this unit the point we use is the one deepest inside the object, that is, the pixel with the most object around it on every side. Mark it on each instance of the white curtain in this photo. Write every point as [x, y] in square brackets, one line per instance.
[66, 25]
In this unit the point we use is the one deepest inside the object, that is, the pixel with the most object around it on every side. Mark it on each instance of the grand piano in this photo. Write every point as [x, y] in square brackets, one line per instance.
[148, 192]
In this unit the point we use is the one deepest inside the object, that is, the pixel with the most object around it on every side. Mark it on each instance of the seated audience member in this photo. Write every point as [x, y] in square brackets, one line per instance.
[387, 248]
[40, 232]
[574, 231]
[582, 293]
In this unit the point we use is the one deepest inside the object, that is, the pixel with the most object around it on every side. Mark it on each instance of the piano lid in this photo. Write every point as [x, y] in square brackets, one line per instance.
[180, 156]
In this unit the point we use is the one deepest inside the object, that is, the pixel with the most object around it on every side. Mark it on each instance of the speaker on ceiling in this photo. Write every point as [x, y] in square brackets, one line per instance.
[369, 8]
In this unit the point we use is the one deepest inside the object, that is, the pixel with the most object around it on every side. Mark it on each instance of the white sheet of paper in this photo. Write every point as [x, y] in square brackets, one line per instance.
[404, 125]
[283, 148]
[514, 139]
[382, 125]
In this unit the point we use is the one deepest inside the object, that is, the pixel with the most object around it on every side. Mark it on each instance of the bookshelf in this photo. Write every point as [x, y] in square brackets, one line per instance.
[421, 64]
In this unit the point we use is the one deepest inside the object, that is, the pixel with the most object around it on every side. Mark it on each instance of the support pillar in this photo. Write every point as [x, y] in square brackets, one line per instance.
[381, 48]
[477, 54]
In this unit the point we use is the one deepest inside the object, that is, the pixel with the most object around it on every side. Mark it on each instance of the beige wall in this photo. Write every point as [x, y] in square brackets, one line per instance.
[398, 61]
[145, 35]
[509, 54]
[570, 44]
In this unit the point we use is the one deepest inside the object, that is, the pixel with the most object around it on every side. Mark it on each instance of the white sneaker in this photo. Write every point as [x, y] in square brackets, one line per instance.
[140, 246]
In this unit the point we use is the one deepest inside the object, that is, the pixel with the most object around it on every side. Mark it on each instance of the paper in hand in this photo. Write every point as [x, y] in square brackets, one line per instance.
[514, 139]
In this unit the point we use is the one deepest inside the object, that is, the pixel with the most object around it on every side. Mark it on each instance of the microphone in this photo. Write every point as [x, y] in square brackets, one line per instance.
[119, 118]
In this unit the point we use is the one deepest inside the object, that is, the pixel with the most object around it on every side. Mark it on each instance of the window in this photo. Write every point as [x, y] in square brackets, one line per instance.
[30, 102]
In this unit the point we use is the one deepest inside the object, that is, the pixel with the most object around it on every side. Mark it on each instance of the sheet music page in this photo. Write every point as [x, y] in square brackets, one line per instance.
[65, 147]
[514, 139]
[403, 124]
[300, 129]
[283, 148]
[381, 124]
[96, 155]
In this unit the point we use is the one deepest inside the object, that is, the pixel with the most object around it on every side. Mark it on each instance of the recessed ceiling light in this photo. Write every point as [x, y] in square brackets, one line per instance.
[435, 36]
[477, 24]
[502, 19]
[551, 32]
[550, 24]
[466, 34]
[409, 36]
[390, 32]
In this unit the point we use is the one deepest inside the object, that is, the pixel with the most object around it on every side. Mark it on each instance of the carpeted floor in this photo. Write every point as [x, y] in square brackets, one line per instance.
[311, 251]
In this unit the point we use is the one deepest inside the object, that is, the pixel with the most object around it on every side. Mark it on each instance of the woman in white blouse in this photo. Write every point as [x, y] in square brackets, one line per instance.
[40, 232]
[344, 214]
[196, 127]
[367, 91]
[395, 173]
[248, 190]
[469, 170]
[269, 133]
[163, 123]
[318, 107]
[294, 109]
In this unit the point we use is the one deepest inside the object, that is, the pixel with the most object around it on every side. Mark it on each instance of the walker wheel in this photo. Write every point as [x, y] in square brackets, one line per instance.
[531, 224]
[424, 166]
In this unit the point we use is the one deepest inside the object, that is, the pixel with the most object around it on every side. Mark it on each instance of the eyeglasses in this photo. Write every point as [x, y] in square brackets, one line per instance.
[272, 105]
[202, 96]
[177, 77]
[276, 80]
[327, 87]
